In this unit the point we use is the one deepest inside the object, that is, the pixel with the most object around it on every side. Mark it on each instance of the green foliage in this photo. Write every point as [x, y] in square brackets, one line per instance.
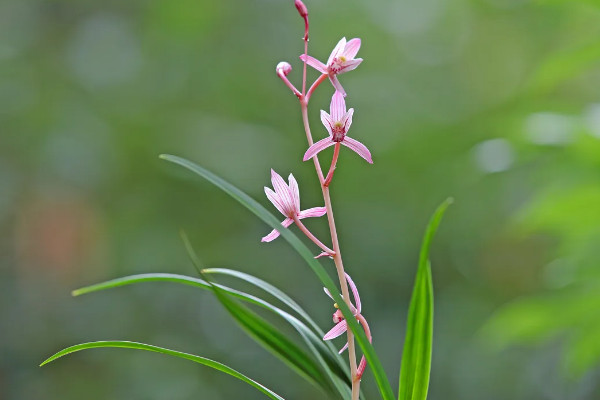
[141, 346]
[328, 357]
[416, 358]
[252, 205]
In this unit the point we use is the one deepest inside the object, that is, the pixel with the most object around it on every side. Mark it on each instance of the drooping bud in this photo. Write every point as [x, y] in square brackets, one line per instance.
[301, 8]
[283, 68]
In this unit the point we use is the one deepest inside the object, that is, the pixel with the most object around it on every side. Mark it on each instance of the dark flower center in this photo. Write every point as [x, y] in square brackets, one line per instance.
[338, 132]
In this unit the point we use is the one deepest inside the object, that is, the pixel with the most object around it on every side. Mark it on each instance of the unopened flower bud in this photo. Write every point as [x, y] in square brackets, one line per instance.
[301, 8]
[283, 68]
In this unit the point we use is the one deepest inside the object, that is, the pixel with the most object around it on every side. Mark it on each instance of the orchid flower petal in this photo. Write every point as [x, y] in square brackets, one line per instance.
[337, 330]
[354, 292]
[361, 367]
[351, 48]
[312, 212]
[337, 50]
[283, 191]
[328, 293]
[343, 348]
[317, 147]
[313, 62]
[350, 65]
[274, 234]
[336, 84]
[358, 147]
[327, 121]
[274, 198]
[337, 108]
[347, 119]
[295, 192]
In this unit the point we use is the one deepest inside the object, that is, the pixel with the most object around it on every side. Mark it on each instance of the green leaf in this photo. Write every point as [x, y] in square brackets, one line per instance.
[326, 357]
[332, 358]
[273, 340]
[252, 205]
[141, 346]
[269, 336]
[272, 290]
[416, 358]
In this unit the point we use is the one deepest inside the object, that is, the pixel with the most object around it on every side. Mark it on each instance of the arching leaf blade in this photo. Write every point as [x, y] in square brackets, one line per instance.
[361, 339]
[141, 346]
[416, 357]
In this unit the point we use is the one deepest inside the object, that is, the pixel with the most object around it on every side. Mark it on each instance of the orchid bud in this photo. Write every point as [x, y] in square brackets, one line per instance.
[301, 8]
[283, 68]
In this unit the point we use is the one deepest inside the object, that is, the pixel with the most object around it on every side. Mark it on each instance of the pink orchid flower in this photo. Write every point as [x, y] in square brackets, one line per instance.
[286, 198]
[341, 325]
[341, 60]
[337, 124]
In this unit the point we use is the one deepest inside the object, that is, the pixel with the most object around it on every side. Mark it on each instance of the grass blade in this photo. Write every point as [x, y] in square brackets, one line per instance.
[141, 346]
[416, 358]
[252, 205]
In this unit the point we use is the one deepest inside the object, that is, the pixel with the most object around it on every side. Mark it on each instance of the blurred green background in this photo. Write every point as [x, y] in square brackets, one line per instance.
[493, 102]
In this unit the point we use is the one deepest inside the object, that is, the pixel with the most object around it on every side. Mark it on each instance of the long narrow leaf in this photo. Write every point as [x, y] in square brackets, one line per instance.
[325, 356]
[252, 205]
[416, 358]
[141, 346]
[263, 332]
[272, 290]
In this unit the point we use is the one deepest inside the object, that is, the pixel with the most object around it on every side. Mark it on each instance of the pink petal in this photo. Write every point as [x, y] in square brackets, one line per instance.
[343, 348]
[274, 198]
[351, 48]
[328, 293]
[295, 192]
[337, 85]
[337, 50]
[283, 191]
[327, 122]
[275, 233]
[312, 212]
[354, 292]
[336, 331]
[313, 62]
[361, 367]
[317, 147]
[358, 147]
[347, 119]
[350, 65]
[337, 108]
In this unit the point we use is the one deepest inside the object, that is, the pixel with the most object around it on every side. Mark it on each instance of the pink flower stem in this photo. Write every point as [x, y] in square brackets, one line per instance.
[289, 84]
[315, 85]
[305, 54]
[312, 237]
[336, 153]
[337, 257]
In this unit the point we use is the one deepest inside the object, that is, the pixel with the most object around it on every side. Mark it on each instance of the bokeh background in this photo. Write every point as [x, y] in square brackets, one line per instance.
[493, 102]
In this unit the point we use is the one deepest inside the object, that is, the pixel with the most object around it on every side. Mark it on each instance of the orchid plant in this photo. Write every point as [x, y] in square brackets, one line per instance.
[322, 364]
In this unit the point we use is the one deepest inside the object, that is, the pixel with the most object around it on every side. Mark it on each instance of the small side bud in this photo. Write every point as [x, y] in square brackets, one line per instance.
[283, 68]
[301, 8]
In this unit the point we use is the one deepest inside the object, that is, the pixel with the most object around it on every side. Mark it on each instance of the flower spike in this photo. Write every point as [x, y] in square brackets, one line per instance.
[337, 123]
[340, 61]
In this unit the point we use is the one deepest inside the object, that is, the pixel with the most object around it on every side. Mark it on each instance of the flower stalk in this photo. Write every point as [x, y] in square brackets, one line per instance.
[286, 198]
